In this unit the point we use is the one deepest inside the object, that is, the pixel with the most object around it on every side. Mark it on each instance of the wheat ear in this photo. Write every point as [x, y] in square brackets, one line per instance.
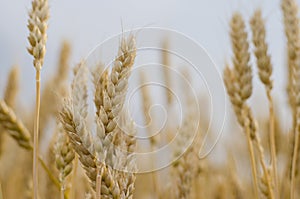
[185, 165]
[73, 117]
[240, 47]
[75, 128]
[238, 104]
[110, 93]
[267, 178]
[13, 126]
[12, 88]
[265, 71]
[64, 156]
[243, 86]
[291, 23]
[37, 25]
[54, 88]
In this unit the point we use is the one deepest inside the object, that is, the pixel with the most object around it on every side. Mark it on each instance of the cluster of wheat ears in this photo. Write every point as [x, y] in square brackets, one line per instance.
[94, 157]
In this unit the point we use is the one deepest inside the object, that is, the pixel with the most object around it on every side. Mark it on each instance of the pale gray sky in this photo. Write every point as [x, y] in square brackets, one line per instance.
[86, 23]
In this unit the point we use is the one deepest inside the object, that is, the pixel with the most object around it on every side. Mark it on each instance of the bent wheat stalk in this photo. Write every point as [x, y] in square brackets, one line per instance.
[264, 65]
[37, 25]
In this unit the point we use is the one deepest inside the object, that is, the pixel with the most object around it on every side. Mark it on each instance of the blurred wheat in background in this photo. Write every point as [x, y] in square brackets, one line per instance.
[85, 142]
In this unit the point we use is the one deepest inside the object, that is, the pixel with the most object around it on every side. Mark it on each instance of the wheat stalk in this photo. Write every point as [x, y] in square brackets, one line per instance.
[37, 25]
[1, 194]
[185, 166]
[166, 70]
[291, 23]
[241, 89]
[265, 71]
[146, 101]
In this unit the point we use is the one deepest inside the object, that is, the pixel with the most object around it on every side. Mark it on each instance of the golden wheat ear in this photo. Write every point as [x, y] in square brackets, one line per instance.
[10, 95]
[265, 69]
[10, 123]
[37, 25]
[239, 87]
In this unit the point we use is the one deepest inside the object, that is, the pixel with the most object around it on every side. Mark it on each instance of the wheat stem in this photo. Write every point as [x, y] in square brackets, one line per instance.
[1, 194]
[272, 140]
[264, 167]
[148, 126]
[253, 162]
[51, 176]
[74, 175]
[62, 191]
[294, 161]
[36, 136]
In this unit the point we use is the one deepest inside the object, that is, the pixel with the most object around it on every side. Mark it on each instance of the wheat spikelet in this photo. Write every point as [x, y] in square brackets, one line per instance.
[79, 89]
[261, 49]
[241, 56]
[37, 25]
[64, 156]
[232, 91]
[99, 84]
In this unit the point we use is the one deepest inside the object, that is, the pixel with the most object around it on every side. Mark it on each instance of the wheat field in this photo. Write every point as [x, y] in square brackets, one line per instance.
[80, 141]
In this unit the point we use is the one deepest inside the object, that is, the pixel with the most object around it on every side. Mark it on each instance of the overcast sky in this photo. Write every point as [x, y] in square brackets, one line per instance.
[86, 23]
